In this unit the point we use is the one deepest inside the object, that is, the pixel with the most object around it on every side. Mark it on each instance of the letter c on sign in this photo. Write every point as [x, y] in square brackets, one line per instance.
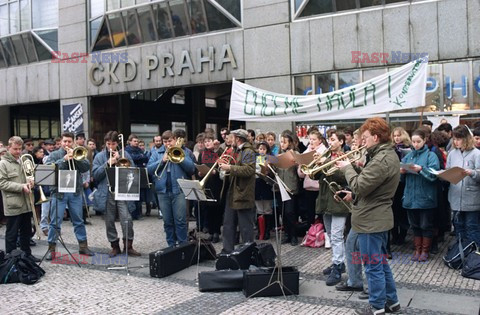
[91, 74]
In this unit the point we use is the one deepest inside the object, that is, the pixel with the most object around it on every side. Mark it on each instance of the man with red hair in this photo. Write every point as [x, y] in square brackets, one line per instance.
[373, 189]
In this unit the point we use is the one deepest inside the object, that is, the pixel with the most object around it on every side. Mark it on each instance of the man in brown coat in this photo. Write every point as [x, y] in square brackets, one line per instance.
[240, 205]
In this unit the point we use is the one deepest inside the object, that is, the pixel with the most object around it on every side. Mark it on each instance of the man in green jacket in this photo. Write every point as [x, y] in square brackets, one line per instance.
[240, 203]
[373, 189]
[15, 193]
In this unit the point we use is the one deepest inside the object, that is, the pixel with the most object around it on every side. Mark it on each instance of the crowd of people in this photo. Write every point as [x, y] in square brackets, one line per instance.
[390, 187]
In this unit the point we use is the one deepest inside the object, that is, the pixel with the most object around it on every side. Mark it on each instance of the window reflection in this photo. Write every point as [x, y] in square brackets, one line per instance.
[131, 27]
[50, 37]
[164, 25]
[314, 7]
[146, 24]
[179, 20]
[346, 5]
[8, 52]
[14, 17]
[94, 26]
[370, 74]
[42, 52]
[455, 80]
[116, 28]
[216, 20]
[233, 7]
[369, 3]
[476, 84]
[24, 15]
[2, 60]
[433, 99]
[19, 50]
[44, 13]
[325, 83]
[29, 47]
[303, 85]
[197, 16]
[97, 7]
[103, 40]
[4, 20]
[348, 78]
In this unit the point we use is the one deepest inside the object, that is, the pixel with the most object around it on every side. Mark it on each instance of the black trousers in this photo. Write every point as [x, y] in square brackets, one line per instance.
[15, 224]
[421, 221]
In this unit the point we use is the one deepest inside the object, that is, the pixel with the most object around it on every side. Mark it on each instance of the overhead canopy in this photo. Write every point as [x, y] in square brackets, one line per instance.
[401, 88]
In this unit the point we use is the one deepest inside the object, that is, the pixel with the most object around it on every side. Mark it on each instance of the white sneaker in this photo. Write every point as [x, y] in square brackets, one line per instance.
[327, 241]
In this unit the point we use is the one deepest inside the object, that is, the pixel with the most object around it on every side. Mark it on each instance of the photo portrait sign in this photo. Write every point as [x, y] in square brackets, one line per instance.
[401, 88]
[67, 181]
[127, 183]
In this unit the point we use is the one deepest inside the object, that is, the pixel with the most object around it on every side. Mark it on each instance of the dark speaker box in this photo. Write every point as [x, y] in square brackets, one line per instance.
[256, 282]
[220, 280]
[169, 260]
[241, 258]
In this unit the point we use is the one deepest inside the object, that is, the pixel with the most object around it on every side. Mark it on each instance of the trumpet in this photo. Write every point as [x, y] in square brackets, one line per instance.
[28, 167]
[174, 154]
[306, 168]
[334, 188]
[329, 167]
[123, 162]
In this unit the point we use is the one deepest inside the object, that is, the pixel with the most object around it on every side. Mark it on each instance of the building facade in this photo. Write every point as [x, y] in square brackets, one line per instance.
[147, 66]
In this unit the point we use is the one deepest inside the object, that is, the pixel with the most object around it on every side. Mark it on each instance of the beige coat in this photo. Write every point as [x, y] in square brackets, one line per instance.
[12, 179]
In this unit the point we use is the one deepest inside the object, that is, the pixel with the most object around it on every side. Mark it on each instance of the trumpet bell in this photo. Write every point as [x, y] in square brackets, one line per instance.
[123, 162]
[176, 155]
[80, 153]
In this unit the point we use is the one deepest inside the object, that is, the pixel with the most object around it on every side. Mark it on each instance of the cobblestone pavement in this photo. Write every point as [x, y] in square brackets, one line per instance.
[429, 288]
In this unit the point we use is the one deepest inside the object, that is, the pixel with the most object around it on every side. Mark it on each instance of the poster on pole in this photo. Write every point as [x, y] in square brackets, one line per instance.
[402, 88]
[73, 118]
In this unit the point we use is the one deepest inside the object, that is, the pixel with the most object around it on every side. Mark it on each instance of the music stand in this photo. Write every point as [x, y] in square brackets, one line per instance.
[111, 177]
[47, 175]
[277, 182]
[193, 190]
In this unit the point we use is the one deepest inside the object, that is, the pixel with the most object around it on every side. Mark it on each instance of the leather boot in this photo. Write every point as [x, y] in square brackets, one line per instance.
[83, 248]
[417, 241]
[149, 209]
[261, 227]
[131, 251]
[426, 244]
[51, 251]
[115, 248]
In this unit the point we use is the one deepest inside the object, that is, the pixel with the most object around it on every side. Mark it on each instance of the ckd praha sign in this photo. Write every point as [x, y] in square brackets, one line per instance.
[402, 88]
[212, 58]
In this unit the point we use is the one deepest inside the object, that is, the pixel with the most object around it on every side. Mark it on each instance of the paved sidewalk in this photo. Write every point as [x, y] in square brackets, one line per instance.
[429, 288]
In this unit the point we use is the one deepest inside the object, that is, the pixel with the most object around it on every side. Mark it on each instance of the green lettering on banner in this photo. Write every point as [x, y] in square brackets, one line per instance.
[373, 88]
[297, 107]
[254, 95]
[319, 104]
[351, 94]
[334, 97]
[291, 103]
[264, 104]
[389, 86]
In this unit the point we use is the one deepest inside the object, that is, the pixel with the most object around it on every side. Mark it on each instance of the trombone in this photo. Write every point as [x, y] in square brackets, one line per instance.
[123, 162]
[174, 154]
[221, 158]
[28, 167]
[329, 167]
[334, 188]
[78, 154]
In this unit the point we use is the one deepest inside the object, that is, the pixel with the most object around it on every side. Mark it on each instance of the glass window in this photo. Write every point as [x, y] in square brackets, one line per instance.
[369, 3]
[298, 3]
[197, 16]
[55, 127]
[325, 83]
[113, 5]
[394, 1]
[164, 24]
[14, 17]
[116, 28]
[127, 3]
[44, 128]
[4, 20]
[370, 74]
[216, 20]
[97, 8]
[303, 85]
[34, 128]
[42, 51]
[44, 13]
[131, 27]
[24, 15]
[23, 128]
[434, 89]
[2, 60]
[455, 80]
[103, 39]
[179, 19]
[50, 37]
[346, 5]
[8, 51]
[233, 7]
[348, 78]
[317, 7]
[476, 84]
[29, 47]
[19, 50]
[94, 27]
[146, 24]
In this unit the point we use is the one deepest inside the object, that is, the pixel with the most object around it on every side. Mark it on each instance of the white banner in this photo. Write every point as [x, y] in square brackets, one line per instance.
[402, 88]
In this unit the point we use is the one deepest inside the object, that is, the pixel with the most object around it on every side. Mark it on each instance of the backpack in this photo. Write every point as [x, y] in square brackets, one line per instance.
[471, 268]
[457, 254]
[17, 267]
[315, 236]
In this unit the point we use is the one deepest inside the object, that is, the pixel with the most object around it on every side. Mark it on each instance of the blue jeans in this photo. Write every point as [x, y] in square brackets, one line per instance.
[174, 212]
[467, 225]
[75, 208]
[354, 268]
[381, 286]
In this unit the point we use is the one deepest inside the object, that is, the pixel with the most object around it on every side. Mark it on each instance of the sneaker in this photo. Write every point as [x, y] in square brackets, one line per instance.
[328, 270]
[294, 241]
[392, 308]
[370, 310]
[343, 286]
[327, 242]
[363, 295]
[335, 276]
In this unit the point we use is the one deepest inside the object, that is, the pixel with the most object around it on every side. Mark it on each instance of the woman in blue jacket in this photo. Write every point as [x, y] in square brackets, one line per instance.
[420, 195]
